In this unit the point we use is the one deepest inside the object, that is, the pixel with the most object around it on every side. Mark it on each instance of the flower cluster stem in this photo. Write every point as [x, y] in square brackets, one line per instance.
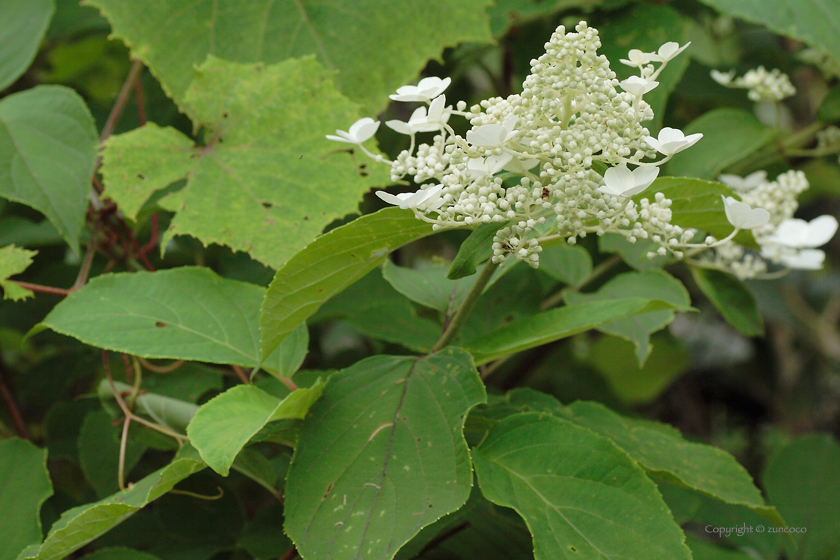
[464, 311]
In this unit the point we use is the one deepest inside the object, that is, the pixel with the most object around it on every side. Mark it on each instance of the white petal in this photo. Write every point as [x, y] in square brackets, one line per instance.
[363, 129]
[436, 108]
[742, 216]
[644, 176]
[723, 78]
[618, 180]
[391, 199]
[341, 139]
[791, 233]
[496, 163]
[806, 259]
[821, 230]
[487, 136]
[401, 127]
[637, 86]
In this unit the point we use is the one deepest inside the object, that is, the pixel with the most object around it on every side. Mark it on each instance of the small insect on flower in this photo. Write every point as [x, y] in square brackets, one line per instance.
[545, 193]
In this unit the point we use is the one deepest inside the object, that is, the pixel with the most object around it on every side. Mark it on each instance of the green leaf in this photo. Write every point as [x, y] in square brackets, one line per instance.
[802, 482]
[476, 249]
[24, 486]
[80, 525]
[555, 324]
[262, 182]
[377, 45]
[330, 264]
[729, 135]
[650, 284]
[223, 425]
[14, 260]
[22, 27]
[99, 452]
[662, 451]
[566, 263]
[617, 361]
[145, 160]
[580, 495]
[698, 204]
[388, 316]
[290, 354]
[47, 151]
[397, 463]
[732, 298]
[431, 287]
[186, 313]
[812, 21]
[622, 32]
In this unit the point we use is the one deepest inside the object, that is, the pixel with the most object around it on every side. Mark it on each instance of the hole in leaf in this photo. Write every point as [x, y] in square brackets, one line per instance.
[305, 218]
[141, 176]
[573, 549]
[266, 204]
[160, 324]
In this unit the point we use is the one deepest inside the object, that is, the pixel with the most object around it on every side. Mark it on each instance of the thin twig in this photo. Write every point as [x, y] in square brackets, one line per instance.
[119, 104]
[240, 373]
[14, 411]
[42, 289]
[141, 105]
[161, 369]
[123, 443]
[127, 412]
[87, 262]
[291, 553]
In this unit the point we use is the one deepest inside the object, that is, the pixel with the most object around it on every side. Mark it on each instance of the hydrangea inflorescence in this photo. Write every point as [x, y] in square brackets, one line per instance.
[558, 161]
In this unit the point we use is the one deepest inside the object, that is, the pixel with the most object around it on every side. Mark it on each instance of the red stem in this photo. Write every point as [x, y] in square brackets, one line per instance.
[14, 412]
[42, 289]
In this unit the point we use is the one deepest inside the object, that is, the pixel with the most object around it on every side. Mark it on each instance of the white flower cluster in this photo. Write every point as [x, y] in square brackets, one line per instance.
[763, 85]
[533, 158]
[783, 239]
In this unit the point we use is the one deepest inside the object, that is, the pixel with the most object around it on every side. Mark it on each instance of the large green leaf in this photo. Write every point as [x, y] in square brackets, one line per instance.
[732, 298]
[802, 482]
[80, 525]
[223, 425]
[698, 204]
[622, 32]
[47, 151]
[382, 455]
[14, 260]
[24, 485]
[22, 27]
[555, 324]
[658, 448]
[328, 265]
[166, 411]
[662, 451]
[579, 493]
[729, 135]
[261, 183]
[650, 284]
[378, 45]
[186, 313]
[812, 21]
